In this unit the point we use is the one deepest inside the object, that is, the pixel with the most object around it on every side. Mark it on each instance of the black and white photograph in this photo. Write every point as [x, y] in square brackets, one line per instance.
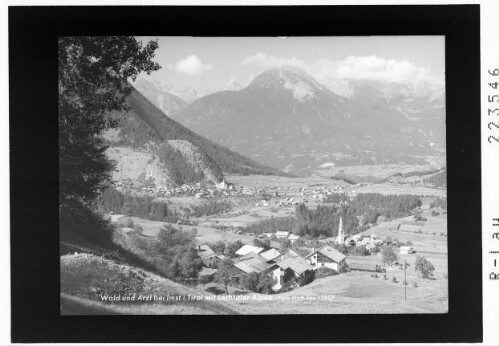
[235, 173]
[252, 175]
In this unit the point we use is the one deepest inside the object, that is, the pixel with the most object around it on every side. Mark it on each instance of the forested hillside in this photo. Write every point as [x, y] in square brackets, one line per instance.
[438, 180]
[144, 124]
[324, 220]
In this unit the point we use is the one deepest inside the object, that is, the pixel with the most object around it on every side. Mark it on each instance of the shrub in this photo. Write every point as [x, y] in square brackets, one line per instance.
[138, 229]
[414, 284]
[375, 275]
[423, 267]
[206, 279]
[250, 281]
[307, 278]
[128, 222]
[388, 255]
[323, 272]
[359, 251]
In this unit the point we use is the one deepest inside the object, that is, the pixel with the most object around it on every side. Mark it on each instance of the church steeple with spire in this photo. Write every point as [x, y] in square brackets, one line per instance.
[341, 235]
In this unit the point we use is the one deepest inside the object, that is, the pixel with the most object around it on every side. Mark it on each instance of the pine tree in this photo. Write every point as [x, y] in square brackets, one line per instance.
[93, 81]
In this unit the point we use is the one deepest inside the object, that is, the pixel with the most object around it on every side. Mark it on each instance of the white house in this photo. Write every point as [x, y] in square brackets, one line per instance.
[282, 234]
[293, 237]
[406, 250]
[327, 256]
[222, 185]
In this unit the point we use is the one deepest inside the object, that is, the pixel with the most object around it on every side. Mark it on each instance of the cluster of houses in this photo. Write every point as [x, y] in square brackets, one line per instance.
[283, 266]
[280, 235]
[199, 190]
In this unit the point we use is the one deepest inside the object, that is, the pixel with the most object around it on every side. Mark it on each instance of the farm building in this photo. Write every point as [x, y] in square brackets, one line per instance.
[288, 254]
[252, 263]
[270, 254]
[282, 234]
[208, 257]
[291, 267]
[247, 249]
[406, 250]
[207, 272]
[329, 257]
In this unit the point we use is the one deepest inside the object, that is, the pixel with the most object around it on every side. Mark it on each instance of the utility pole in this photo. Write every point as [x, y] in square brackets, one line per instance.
[405, 279]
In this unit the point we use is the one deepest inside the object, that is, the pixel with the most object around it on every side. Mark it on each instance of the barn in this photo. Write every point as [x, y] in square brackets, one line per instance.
[406, 250]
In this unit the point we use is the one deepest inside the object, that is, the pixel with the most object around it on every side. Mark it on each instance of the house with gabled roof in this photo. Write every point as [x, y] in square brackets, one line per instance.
[207, 255]
[293, 237]
[327, 256]
[290, 268]
[281, 234]
[252, 263]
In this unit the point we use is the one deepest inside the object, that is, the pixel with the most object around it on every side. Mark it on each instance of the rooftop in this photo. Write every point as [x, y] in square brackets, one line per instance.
[296, 264]
[246, 249]
[329, 252]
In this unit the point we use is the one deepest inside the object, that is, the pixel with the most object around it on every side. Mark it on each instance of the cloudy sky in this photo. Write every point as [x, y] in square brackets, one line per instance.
[213, 62]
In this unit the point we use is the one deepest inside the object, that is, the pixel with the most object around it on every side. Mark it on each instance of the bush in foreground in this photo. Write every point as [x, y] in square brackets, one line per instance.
[423, 267]
[323, 272]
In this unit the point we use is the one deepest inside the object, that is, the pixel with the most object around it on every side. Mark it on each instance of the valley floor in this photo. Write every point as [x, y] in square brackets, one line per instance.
[85, 278]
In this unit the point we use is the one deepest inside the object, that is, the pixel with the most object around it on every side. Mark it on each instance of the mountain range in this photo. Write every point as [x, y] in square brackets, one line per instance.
[287, 119]
[150, 144]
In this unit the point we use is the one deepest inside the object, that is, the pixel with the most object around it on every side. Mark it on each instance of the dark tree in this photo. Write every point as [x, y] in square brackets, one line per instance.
[388, 255]
[265, 283]
[224, 274]
[93, 81]
[250, 281]
[423, 267]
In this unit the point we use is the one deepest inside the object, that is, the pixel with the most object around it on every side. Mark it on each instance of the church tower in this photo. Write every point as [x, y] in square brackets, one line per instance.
[341, 235]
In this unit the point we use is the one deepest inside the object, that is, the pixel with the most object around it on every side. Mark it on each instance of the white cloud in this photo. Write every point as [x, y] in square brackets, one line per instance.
[191, 66]
[233, 84]
[372, 67]
[269, 61]
[353, 67]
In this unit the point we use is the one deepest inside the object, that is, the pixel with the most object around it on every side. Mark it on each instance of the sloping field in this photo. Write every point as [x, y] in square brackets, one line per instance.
[86, 281]
[265, 181]
[386, 189]
[353, 293]
[204, 234]
[131, 164]
[378, 171]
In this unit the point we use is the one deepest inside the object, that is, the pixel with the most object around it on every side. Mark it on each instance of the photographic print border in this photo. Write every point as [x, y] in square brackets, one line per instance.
[35, 287]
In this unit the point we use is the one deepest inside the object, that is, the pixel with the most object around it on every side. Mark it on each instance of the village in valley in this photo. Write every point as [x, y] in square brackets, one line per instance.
[290, 264]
